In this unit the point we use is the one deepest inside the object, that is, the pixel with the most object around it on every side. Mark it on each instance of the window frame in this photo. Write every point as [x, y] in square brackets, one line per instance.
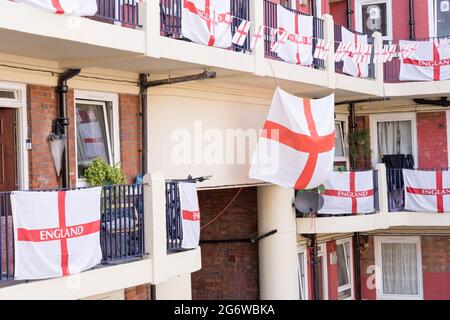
[358, 15]
[342, 118]
[302, 249]
[322, 252]
[389, 117]
[350, 270]
[100, 98]
[378, 240]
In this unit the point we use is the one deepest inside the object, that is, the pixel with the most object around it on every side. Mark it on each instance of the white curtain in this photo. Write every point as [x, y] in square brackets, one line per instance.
[399, 268]
[394, 137]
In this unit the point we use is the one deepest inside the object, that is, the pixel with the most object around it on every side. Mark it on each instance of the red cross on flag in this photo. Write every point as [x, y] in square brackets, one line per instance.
[207, 22]
[69, 7]
[55, 233]
[427, 62]
[296, 146]
[298, 46]
[348, 192]
[427, 191]
[190, 215]
[360, 70]
[322, 49]
[241, 33]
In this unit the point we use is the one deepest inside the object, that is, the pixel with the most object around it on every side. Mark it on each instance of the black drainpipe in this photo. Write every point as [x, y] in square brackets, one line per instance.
[349, 14]
[63, 121]
[144, 84]
[412, 33]
[314, 255]
[352, 125]
[357, 245]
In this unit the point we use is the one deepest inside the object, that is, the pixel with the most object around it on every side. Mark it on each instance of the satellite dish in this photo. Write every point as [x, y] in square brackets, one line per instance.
[308, 202]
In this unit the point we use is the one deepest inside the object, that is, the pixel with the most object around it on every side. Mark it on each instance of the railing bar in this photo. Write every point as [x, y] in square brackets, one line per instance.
[5, 203]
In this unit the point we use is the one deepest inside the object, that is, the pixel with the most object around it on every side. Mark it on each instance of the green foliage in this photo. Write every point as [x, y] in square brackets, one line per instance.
[99, 173]
[359, 144]
[319, 189]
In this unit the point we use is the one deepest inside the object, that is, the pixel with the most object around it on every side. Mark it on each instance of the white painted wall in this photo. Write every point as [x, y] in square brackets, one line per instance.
[176, 288]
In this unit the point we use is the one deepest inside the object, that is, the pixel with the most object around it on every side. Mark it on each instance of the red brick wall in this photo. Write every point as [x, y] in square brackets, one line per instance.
[338, 11]
[130, 135]
[362, 123]
[332, 272]
[432, 140]
[367, 271]
[229, 270]
[138, 293]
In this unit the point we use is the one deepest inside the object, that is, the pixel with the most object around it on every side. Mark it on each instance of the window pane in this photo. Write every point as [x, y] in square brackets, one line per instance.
[399, 268]
[342, 266]
[91, 135]
[394, 137]
[301, 275]
[339, 150]
[345, 294]
[374, 18]
[443, 18]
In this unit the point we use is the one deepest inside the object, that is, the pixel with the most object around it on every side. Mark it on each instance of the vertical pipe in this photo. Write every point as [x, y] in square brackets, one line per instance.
[349, 14]
[357, 266]
[352, 125]
[143, 93]
[412, 33]
[315, 263]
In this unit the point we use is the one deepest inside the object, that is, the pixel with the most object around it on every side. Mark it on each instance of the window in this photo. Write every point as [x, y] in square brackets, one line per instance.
[374, 15]
[393, 137]
[345, 269]
[97, 134]
[439, 18]
[323, 271]
[399, 267]
[288, 4]
[302, 273]
[339, 151]
[341, 160]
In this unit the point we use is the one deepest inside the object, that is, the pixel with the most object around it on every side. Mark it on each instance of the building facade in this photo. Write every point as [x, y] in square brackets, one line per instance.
[167, 128]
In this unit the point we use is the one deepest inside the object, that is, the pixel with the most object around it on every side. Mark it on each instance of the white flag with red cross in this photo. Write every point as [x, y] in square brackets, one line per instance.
[258, 34]
[427, 191]
[207, 22]
[360, 70]
[298, 46]
[348, 192]
[68, 7]
[296, 146]
[426, 63]
[56, 233]
[388, 52]
[190, 215]
[241, 33]
[322, 49]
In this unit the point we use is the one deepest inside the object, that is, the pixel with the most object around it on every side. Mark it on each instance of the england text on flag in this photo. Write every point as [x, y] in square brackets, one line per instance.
[55, 233]
[296, 147]
[348, 192]
[207, 22]
[68, 7]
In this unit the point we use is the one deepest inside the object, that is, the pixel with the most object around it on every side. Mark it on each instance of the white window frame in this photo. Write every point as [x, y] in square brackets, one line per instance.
[19, 103]
[388, 117]
[432, 18]
[378, 240]
[343, 118]
[358, 15]
[322, 252]
[100, 98]
[302, 249]
[351, 275]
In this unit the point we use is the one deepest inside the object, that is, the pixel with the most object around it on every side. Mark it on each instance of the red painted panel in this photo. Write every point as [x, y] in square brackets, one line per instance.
[337, 10]
[432, 140]
[332, 272]
[436, 285]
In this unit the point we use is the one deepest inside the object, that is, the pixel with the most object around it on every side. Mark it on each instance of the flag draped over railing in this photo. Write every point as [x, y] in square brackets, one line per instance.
[68, 7]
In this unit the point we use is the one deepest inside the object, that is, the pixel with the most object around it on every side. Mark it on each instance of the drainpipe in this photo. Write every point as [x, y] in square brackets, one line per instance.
[144, 84]
[63, 121]
[357, 245]
[412, 33]
[349, 14]
[352, 125]
[314, 254]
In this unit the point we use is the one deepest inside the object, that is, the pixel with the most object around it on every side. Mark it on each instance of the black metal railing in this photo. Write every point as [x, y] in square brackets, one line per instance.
[270, 22]
[125, 12]
[170, 11]
[396, 187]
[121, 233]
[173, 215]
[339, 66]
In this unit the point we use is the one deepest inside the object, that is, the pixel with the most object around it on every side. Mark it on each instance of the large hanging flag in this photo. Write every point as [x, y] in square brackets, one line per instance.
[55, 233]
[427, 62]
[190, 215]
[298, 46]
[360, 70]
[427, 191]
[348, 192]
[207, 22]
[296, 147]
[69, 7]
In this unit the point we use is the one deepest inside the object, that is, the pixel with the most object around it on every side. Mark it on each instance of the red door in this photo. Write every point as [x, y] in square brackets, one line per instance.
[7, 150]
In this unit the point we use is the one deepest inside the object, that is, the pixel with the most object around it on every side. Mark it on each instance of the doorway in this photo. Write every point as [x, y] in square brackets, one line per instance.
[8, 150]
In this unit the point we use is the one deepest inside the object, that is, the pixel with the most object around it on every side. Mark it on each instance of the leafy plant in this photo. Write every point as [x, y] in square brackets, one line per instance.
[359, 144]
[99, 173]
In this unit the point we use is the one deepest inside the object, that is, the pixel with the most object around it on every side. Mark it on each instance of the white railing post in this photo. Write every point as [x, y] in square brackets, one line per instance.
[329, 61]
[379, 70]
[257, 17]
[150, 19]
[155, 223]
[382, 188]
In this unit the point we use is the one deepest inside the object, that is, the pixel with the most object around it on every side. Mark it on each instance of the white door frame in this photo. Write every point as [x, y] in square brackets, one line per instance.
[302, 249]
[322, 252]
[19, 103]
